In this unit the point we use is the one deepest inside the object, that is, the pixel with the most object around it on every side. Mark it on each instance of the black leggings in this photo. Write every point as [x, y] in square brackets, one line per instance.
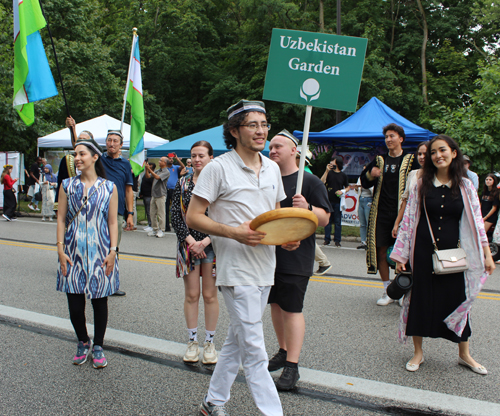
[76, 304]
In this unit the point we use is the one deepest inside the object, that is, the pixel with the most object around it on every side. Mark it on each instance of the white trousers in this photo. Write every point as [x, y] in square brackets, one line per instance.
[245, 344]
[320, 257]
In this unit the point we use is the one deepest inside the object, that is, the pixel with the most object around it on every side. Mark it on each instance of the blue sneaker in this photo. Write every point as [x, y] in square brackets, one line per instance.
[82, 352]
[98, 358]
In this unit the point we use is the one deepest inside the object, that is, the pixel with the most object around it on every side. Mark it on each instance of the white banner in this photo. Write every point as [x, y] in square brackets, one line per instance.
[350, 210]
[14, 159]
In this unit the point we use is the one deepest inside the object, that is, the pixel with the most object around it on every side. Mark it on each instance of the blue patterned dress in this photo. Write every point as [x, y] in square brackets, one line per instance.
[87, 241]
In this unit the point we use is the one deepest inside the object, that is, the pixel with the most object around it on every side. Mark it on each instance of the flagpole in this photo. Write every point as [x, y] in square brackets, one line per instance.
[303, 152]
[134, 31]
[58, 71]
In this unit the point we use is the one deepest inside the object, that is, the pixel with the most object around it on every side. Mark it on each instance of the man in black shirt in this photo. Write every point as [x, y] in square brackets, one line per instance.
[34, 179]
[145, 194]
[337, 184]
[293, 269]
[388, 173]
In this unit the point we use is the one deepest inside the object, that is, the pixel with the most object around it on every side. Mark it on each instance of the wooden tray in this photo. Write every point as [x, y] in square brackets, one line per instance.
[285, 225]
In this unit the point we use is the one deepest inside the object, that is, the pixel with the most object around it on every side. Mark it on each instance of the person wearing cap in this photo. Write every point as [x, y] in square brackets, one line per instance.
[471, 175]
[293, 269]
[119, 171]
[236, 187]
[388, 174]
[337, 184]
[87, 236]
[67, 164]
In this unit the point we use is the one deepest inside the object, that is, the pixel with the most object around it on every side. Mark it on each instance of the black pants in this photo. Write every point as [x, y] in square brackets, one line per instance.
[76, 304]
[9, 203]
[168, 200]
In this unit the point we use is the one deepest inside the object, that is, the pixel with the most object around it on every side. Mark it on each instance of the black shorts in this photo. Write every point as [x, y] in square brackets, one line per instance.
[289, 291]
[385, 224]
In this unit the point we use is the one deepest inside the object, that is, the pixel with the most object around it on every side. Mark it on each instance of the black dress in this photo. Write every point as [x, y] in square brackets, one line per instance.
[435, 297]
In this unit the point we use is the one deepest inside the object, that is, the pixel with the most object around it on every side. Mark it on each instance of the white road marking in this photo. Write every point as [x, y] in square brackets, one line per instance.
[412, 396]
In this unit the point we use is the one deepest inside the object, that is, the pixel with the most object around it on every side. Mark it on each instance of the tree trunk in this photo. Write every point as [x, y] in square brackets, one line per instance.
[321, 16]
[422, 56]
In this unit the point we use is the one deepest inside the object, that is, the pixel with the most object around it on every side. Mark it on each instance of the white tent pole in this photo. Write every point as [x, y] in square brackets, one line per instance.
[134, 36]
[303, 152]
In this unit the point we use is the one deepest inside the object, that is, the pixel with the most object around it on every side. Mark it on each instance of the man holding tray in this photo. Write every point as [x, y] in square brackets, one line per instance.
[237, 187]
[293, 270]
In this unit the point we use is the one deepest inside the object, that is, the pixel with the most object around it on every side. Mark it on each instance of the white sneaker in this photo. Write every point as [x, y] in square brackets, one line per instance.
[384, 300]
[37, 209]
[192, 353]
[401, 300]
[152, 234]
[159, 234]
[148, 228]
[209, 353]
[50, 219]
[30, 206]
[7, 218]
[43, 218]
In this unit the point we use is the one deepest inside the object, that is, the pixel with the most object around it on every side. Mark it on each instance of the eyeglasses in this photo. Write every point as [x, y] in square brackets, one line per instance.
[255, 126]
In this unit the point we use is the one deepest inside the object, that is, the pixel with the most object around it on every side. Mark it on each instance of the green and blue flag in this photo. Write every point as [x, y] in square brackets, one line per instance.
[136, 101]
[33, 80]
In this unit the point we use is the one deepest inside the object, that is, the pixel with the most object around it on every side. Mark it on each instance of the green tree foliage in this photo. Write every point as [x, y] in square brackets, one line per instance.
[200, 56]
[477, 125]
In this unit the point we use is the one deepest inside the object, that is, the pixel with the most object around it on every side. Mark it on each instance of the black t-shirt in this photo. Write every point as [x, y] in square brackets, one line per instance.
[487, 203]
[336, 181]
[146, 186]
[390, 185]
[35, 170]
[301, 261]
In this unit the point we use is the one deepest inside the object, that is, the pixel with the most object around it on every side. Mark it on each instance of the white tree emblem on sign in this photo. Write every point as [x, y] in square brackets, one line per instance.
[310, 90]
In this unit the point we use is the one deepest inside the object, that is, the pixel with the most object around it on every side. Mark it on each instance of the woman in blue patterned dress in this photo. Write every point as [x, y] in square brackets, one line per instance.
[87, 234]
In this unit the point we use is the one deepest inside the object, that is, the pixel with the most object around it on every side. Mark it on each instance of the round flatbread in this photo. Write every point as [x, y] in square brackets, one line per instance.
[285, 225]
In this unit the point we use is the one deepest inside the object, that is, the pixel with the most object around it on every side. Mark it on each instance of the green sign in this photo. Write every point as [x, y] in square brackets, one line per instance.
[315, 69]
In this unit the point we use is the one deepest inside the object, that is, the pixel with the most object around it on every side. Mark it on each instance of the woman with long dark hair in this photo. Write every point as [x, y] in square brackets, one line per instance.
[9, 195]
[195, 258]
[87, 234]
[438, 306]
[490, 201]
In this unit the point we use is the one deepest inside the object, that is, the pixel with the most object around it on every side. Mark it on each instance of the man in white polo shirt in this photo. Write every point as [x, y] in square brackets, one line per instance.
[237, 187]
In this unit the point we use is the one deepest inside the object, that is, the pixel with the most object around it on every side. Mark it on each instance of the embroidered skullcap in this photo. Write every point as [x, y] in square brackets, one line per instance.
[91, 144]
[308, 155]
[244, 106]
[117, 132]
[290, 136]
[88, 133]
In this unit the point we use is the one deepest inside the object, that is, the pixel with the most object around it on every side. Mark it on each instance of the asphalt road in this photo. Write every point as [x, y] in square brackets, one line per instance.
[348, 337]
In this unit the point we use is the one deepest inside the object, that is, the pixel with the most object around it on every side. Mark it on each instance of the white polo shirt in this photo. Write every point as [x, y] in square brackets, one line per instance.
[236, 195]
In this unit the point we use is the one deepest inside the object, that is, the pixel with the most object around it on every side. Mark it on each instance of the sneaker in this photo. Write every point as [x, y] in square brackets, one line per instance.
[208, 408]
[152, 234]
[401, 300]
[37, 209]
[288, 379]
[362, 246]
[337, 244]
[322, 270]
[192, 353]
[278, 361]
[160, 234]
[50, 219]
[43, 218]
[209, 353]
[148, 228]
[326, 243]
[13, 219]
[82, 352]
[384, 300]
[98, 358]
[31, 207]
[7, 218]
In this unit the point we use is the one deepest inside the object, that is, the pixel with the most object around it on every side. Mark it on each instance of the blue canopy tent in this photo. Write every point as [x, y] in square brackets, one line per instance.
[182, 146]
[364, 128]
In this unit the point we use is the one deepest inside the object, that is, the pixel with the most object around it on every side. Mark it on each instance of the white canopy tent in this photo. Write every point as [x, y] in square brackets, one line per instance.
[99, 127]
